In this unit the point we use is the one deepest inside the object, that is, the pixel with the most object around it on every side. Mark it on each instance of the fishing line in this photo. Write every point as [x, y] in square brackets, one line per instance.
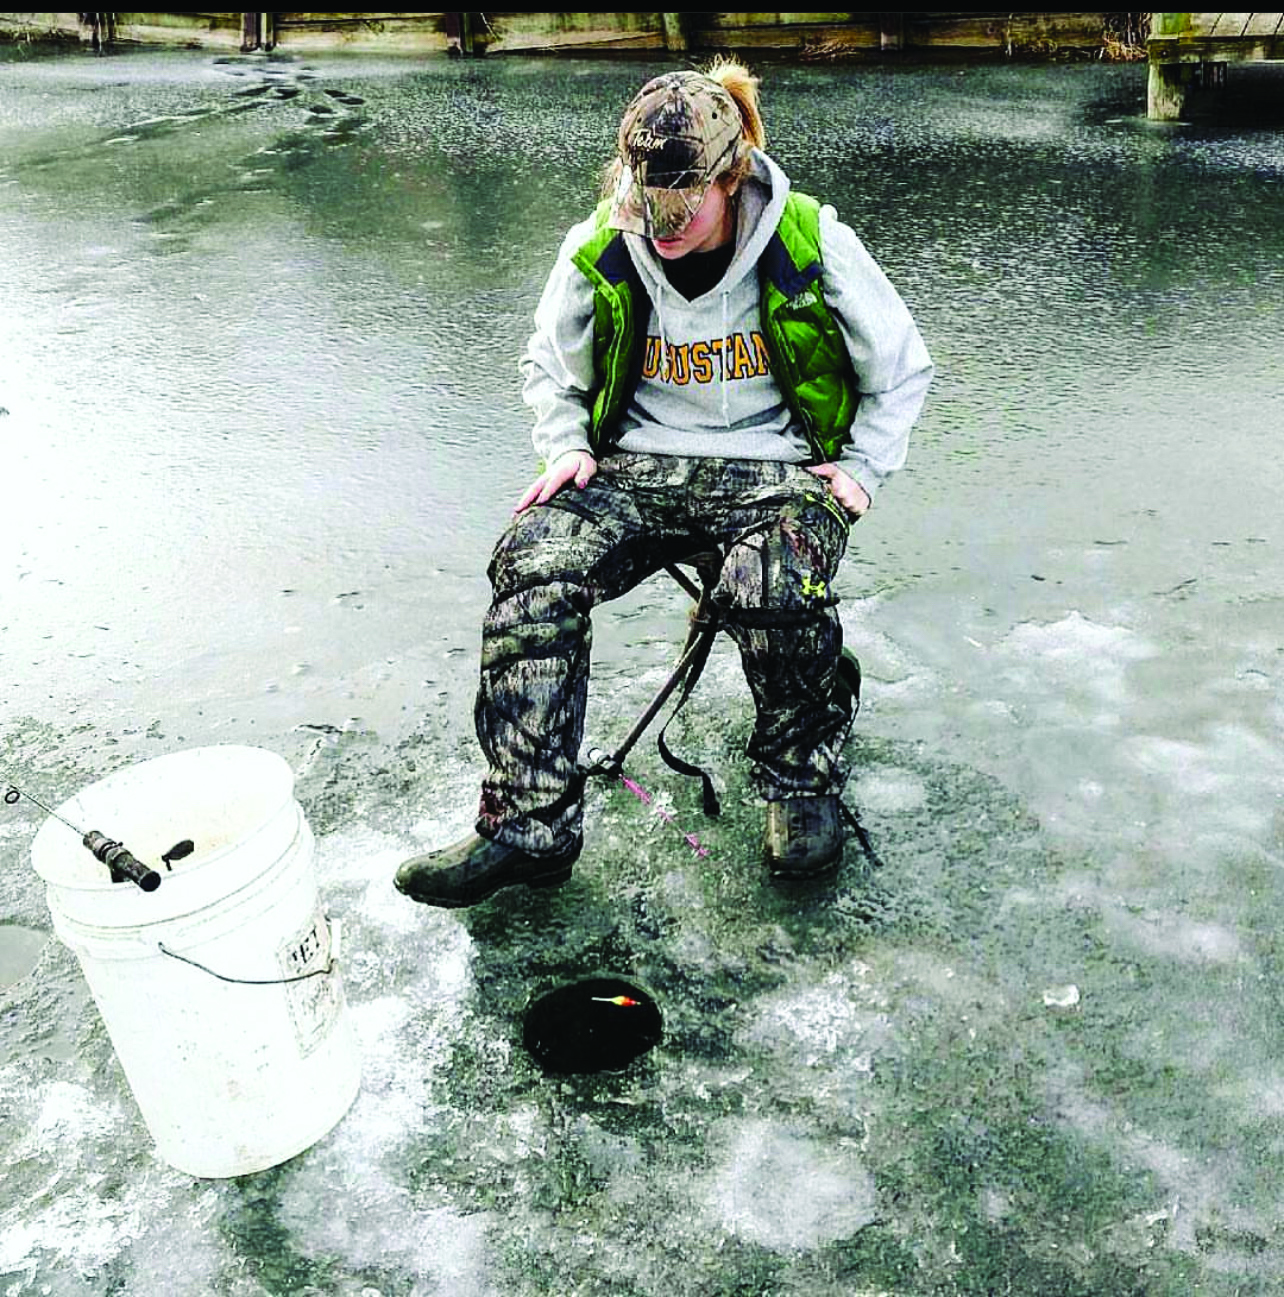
[608, 766]
[14, 795]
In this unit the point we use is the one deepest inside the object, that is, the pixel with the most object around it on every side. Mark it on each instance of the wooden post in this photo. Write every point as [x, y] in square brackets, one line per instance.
[1169, 24]
[675, 35]
[102, 30]
[1168, 82]
[1166, 91]
[891, 31]
[459, 34]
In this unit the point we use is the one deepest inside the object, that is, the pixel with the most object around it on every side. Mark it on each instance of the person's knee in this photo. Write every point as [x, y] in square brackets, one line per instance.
[548, 545]
[522, 554]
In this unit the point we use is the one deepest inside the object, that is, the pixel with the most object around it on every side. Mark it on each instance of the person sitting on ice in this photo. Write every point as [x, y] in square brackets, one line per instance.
[717, 362]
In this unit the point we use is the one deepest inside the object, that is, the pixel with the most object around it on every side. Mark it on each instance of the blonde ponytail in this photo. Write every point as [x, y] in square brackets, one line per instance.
[742, 86]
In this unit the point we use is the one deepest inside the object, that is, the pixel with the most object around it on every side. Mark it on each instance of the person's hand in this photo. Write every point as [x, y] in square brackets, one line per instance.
[845, 489]
[574, 465]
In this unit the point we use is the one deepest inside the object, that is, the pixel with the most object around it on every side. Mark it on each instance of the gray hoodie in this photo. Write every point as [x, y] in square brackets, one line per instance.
[706, 388]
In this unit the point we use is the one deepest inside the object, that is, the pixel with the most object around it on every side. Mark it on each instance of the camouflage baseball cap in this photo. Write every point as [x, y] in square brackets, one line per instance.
[676, 138]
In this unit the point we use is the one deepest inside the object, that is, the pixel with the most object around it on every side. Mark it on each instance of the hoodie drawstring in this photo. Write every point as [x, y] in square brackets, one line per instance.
[726, 417]
[664, 345]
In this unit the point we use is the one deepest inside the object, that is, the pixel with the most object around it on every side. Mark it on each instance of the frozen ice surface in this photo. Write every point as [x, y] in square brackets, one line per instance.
[71, 1201]
[378, 1229]
[888, 791]
[787, 1190]
[836, 1017]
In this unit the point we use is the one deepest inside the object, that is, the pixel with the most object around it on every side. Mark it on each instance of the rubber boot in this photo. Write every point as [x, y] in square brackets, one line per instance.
[803, 837]
[476, 868]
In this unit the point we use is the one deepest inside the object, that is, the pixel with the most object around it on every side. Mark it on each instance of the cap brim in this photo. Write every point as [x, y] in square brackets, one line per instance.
[656, 213]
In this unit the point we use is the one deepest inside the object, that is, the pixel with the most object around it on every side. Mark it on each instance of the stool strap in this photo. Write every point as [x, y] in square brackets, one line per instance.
[707, 634]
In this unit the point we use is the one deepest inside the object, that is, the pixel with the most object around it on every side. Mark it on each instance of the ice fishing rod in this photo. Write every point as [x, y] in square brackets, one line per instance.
[122, 864]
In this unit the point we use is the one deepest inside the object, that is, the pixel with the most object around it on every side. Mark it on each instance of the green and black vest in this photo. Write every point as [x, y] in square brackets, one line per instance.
[809, 359]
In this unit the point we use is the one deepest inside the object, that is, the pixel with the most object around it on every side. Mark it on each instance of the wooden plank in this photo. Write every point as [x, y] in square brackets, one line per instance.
[1242, 49]
[310, 19]
[590, 42]
[789, 20]
[218, 31]
[204, 22]
[367, 22]
[804, 41]
[1018, 33]
[524, 31]
[422, 33]
[1200, 24]
[1230, 25]
[1264, 25]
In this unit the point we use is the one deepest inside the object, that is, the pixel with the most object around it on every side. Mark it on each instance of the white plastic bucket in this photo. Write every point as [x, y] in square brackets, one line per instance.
[232, 1076]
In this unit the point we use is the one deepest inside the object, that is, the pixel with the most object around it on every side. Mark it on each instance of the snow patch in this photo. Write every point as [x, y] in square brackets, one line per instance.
[785, 1191]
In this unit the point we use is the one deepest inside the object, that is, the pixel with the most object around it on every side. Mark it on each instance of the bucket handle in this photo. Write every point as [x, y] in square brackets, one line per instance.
[268, 981]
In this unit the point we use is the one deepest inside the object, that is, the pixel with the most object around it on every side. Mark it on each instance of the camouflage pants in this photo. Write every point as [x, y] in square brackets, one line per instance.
[782, 536]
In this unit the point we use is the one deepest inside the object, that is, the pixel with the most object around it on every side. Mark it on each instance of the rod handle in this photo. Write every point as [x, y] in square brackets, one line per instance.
[124, 865]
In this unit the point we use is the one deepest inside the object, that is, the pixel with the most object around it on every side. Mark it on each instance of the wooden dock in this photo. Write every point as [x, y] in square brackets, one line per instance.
[1191, 51]
[869, 35]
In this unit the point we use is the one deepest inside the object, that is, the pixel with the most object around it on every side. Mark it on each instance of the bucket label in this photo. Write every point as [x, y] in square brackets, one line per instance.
[315, 1002]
